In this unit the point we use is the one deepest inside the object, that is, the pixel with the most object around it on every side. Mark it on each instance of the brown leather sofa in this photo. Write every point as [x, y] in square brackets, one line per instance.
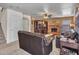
[34, 43]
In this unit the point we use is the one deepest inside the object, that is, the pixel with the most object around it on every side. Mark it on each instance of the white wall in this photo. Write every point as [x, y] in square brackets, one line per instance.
[1, 14]
[12, 21]
[14, 24]
[4, 22]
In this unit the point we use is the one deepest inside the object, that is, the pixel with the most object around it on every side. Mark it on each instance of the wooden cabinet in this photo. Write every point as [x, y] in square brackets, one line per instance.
[47, 27]
[53, 25]
[41, 26]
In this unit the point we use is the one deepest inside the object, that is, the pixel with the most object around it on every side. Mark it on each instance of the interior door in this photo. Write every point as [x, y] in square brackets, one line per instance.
[25, 24]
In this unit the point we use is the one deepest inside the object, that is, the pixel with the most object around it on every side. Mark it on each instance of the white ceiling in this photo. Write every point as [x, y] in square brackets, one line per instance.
[57, 9]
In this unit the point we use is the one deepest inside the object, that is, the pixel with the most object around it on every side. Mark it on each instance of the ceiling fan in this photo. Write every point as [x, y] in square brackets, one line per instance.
[45, 13]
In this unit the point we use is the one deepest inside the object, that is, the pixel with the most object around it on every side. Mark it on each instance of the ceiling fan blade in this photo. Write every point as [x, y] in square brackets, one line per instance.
[41, 13]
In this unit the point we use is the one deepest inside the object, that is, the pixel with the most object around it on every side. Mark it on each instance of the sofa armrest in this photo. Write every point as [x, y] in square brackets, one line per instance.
[48, 40]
